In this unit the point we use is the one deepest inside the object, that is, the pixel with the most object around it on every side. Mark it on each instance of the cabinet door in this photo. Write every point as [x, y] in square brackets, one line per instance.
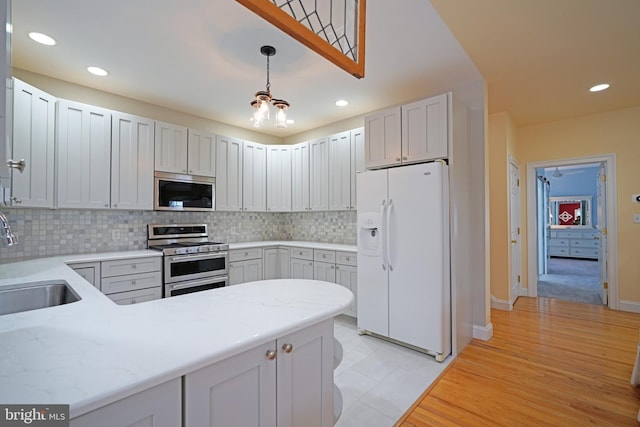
[305, 377]
[382, 136]
[228, 174]
[254, 177]
[33, 140]
[324, 271]
[276, 263]
[425, 129]
[357, 161]
[201, 153]
[239, 391]
[132, 147]
[301, 269]
[319, 175]
[83, 156]
[347, 276]
[245, 271]
[170, 148]
[300, 177]
[136, 297]
[278, 178]
[90, 271]
[159, 406]
[340, 171]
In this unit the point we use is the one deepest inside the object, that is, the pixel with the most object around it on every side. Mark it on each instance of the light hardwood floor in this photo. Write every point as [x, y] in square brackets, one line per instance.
[550, 362]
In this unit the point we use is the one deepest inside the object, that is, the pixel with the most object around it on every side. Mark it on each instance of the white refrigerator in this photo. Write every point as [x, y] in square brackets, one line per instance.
[404, 286]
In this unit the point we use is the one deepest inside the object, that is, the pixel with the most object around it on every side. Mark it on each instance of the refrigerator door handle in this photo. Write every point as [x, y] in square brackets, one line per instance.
[383, 208]
[387, 230]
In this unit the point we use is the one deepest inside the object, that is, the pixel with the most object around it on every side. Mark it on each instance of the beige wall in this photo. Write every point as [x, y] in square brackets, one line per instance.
[615, 132]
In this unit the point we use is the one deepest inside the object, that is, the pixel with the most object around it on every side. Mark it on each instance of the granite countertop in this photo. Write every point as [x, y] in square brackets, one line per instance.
[93, 352]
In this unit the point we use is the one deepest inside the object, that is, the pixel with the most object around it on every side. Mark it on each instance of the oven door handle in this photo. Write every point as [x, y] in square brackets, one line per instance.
[192, 283]
[194, 257]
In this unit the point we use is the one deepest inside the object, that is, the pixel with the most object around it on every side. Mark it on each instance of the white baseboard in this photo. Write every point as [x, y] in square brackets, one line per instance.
[632, 306]
[483, 333]
[501, 304]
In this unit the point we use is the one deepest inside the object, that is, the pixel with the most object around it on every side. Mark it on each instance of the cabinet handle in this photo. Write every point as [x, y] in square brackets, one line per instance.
[134, 266]
[15, 200]
[13, 164]
[332, 267]
[106, 205]
[287, 347]
[310, 263]
[348, 258]
[246, 254]
[115, 205]
[133, 301]
[397, 159]
[337, 268]
[133, 282]
[271, 354]
[191, 171]
[404, 157]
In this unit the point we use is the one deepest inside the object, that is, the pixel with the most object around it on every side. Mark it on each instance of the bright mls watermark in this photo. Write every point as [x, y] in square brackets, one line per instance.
[34, 415]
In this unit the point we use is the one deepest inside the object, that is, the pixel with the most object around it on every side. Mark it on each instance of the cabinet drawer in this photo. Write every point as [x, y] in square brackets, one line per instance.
[590, 234]
[569, 234]
[559, 242]
[346, 258]
[130, 266]
[585, 243]
[245, 254]
[136, 297]
[324, 256]
[558, 251]
[302, 253]
[584, 252]
[131, 282]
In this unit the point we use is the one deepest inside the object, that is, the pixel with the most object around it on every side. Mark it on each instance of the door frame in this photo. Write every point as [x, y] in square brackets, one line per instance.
[515, 235]
[611, 217]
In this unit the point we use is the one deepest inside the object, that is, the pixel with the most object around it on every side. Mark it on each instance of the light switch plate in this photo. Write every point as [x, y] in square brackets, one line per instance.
[636, 218]
[636, 198]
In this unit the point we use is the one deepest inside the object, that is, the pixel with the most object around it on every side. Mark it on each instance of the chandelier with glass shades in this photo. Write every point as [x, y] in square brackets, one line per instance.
[263, 98]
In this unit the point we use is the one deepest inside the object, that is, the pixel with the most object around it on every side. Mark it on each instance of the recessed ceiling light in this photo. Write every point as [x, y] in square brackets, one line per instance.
[342, 103]
[290, 121]
[42, 38]
[97, 71]
[598, 88]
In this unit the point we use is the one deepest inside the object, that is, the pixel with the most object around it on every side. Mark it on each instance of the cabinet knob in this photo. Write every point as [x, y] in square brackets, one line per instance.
[15, 200]
[133, 301]
[134, 266]
[397, 159]
[106, 205]
[404, 157]
[246, 254]
[332, 267]
[287, 347]
[115, 205]
[310, 263]
[133, 282]
[337, 268]
[271, 354]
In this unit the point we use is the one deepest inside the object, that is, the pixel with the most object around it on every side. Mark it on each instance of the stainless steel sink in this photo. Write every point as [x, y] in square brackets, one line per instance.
[35, 295]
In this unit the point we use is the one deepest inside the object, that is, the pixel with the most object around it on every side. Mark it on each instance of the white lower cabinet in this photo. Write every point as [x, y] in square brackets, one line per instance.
[324, 271]
[132, 280]
[159, 406]
[347, 276]
[90, 271]
[276, 263]
[284, 383]
[245, 265]
[301, 263]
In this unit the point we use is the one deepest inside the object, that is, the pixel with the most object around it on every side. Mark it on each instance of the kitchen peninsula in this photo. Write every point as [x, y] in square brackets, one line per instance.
[97, 356]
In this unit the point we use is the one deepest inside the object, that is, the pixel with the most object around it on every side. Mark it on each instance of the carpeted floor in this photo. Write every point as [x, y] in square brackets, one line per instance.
[571, 280]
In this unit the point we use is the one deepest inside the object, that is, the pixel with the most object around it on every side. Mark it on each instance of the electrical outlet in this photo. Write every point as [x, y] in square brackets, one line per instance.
[636, 218]
[636, 198]
[115, 234]
[232, 230]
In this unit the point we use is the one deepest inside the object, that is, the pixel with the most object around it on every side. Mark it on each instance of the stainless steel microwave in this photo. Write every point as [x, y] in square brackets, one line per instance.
[176, 192]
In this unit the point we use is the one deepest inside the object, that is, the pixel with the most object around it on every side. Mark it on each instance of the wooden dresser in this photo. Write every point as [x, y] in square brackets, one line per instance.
[575, 243]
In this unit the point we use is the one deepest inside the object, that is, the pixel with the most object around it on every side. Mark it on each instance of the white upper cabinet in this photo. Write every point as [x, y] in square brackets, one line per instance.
[383, 138]
[319, 175]
[132, 162]
[33, 141]
[229, 174]
[201, 153]
[340, 171]
[300, 177]
[357, 161]
[279, 169]
[170, 148]
[254, 177]
[83, 156]
[425, 129]
[412, 133]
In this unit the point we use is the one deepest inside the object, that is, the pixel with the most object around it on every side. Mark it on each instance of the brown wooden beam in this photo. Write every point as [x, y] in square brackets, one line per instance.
[285, 22]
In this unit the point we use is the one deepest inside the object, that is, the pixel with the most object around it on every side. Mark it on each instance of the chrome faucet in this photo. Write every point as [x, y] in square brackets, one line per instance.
[10, 238]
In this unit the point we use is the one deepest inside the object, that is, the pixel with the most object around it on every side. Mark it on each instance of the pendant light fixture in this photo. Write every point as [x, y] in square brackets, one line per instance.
[263, 98]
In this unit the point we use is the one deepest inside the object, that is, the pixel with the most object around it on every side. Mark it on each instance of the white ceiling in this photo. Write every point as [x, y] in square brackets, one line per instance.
[202, 56]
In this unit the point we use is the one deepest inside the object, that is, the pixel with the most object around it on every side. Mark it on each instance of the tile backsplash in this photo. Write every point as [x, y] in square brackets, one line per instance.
[50, 232]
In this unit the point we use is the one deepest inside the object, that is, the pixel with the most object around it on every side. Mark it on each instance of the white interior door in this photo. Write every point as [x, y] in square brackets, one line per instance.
[543, 224]
[514, 184]
[602, 227]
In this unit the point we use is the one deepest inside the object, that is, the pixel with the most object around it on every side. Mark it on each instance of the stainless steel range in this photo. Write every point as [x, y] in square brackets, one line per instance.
[192, 263]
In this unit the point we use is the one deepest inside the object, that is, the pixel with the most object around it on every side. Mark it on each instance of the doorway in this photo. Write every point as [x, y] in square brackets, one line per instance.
[569, 222]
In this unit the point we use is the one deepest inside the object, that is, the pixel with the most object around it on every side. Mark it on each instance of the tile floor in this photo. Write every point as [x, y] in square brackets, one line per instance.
[378, 380]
